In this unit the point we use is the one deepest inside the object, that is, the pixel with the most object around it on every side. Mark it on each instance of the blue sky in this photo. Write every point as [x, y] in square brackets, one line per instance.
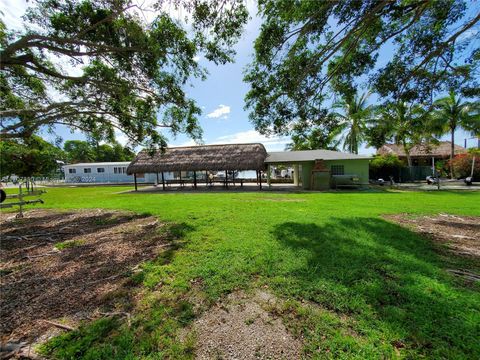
[221, 96]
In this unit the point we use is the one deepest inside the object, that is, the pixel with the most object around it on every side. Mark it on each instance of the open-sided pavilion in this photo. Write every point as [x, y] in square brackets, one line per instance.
[203, 158]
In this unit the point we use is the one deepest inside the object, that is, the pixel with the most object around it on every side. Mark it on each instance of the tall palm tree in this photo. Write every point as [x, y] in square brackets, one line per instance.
[406, 124]
[354, 118]
[450, 114]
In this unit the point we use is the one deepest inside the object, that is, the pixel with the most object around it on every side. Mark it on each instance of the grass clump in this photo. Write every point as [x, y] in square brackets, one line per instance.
[68, 244]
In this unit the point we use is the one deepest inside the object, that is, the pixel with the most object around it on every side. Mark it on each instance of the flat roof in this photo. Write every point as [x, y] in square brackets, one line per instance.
[310, 155]
[101, 163]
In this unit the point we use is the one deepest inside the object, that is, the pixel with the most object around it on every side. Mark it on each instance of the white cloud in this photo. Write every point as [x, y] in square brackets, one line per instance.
[121, 138]
[190, 142]
[197, 58]
[274, 143]
[13, 10]
[221, 112]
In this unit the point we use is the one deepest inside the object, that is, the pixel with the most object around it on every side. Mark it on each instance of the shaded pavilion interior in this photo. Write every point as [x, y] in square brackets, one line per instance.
[201, 161]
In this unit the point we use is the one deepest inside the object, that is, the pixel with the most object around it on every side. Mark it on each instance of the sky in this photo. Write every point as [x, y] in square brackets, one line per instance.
[221, 96]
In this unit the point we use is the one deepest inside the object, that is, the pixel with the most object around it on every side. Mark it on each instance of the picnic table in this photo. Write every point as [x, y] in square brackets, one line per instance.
[225, 182]
[210, 182]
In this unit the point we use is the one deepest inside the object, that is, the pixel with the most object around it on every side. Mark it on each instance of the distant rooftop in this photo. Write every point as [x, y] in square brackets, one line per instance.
[310, 155]
[442, 149]
[123, 163]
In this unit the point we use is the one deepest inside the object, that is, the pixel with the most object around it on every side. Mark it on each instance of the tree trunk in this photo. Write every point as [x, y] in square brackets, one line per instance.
[407, 154]
[409, 159]
[452, 153]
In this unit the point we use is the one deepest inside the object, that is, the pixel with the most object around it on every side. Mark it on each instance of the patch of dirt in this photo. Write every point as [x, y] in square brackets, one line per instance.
[69, 266]
[239, 327]
[460, 234]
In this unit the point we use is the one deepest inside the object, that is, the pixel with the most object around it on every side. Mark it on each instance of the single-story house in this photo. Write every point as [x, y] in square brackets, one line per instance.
[422, 155]
[103, 172]
[323, 169]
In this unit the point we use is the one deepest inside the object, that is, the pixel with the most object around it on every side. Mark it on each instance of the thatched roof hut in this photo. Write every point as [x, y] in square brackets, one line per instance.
[203, 157]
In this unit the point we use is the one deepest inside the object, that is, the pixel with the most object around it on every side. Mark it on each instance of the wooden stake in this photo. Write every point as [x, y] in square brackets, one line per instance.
[163, 181]
[61, 326]
[135, 179]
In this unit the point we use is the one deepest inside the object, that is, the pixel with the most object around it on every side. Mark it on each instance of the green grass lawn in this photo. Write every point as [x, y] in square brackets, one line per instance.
[375, 289]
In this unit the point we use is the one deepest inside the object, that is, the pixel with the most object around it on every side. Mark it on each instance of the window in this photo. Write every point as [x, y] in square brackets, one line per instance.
[87, 170]
[337, 170]
[100, 170]
[72, 171]
[119, 170]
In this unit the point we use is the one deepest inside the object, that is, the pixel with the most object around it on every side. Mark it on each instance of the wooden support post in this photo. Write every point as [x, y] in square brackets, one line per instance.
[296, 175]
[269, 182]
[20, 199]
[181, 184]
[206, 178]
[226, 179]
[195, 179]
[260, 178]
[163, 181]
[135, 179]
[157, 180]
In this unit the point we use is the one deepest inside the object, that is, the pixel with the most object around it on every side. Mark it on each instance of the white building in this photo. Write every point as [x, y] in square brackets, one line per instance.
[106, 172]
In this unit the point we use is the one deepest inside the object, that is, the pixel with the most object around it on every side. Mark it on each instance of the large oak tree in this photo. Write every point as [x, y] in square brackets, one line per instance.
[308, 49]
[99, 66]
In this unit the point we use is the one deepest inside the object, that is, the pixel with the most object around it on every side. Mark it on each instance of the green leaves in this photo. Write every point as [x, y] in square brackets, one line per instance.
[31, 157]
[308, 49]
[112, 69]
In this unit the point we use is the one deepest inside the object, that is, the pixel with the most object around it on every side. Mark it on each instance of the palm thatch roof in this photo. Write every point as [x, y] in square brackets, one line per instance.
[203, 157]
[442, 149]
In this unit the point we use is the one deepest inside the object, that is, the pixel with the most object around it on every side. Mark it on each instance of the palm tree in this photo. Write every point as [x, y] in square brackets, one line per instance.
[450, 114]
[407, 125]
[354, 119]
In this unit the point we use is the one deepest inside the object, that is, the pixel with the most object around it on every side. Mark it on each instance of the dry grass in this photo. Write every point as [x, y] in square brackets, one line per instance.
[460, 234]
[239, 327]
[66, 266]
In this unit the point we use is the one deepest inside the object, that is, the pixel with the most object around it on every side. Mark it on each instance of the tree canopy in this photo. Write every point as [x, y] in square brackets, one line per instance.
[100, 67]
[307, 49]
[83, 151]
[28, 157]
[321, 133]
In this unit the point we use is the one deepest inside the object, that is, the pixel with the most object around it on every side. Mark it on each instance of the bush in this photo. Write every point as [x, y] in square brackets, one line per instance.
[384, 166]
[462, 166]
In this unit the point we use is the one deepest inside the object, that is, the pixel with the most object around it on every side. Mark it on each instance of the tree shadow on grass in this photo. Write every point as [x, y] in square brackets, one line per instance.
[387, 277]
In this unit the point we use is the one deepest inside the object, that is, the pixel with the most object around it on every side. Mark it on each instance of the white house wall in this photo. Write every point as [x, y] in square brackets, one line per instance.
[108, 176]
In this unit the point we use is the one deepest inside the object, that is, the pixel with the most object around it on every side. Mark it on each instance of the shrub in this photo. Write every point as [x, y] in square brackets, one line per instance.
[384, 166]
[462, 166]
